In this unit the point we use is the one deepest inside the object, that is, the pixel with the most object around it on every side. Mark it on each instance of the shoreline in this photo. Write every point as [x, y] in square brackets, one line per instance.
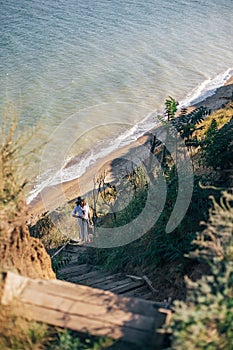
[53, 197]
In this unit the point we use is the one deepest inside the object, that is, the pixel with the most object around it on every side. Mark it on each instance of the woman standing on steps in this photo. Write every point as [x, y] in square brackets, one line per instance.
[86, 219]
[77, 213]
[82, 213]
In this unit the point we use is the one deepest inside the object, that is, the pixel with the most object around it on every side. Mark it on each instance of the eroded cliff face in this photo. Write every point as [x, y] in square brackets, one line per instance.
[18, 251]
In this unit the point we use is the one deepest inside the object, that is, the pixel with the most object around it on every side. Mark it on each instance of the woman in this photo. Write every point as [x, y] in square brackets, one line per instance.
[86, 219]
[77, 213]
[82, 213]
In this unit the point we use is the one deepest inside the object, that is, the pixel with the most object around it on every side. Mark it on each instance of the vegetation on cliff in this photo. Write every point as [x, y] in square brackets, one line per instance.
[205, 319]
[18, 251]
[157, 248]
[192, 264]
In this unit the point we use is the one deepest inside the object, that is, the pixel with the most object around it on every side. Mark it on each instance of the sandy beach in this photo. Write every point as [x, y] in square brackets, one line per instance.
[53, 197]
[113, 165]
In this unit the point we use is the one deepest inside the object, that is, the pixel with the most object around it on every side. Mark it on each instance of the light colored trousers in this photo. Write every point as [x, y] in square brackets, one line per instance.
[83, 229]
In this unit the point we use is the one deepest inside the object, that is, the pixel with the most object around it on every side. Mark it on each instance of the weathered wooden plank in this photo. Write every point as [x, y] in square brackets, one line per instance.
[113, 278]
[147, 296]
[70, 251]
[85, 325]
[136, 292]
[73, 262]
[86, 282]
[75, 248]
[126, 287]
[108, 285]
[77, 293]
[134, 278]
[81, 308]
[73, 258]
[75, 270]
[105, 312]
[91, 275]
[76, 263]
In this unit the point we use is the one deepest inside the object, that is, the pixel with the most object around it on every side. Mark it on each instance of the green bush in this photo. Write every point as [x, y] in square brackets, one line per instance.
[70, 340]
[217, 147]
[205, 320]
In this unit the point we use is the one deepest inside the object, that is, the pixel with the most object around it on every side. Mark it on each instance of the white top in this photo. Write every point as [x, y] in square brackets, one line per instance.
[85, 211]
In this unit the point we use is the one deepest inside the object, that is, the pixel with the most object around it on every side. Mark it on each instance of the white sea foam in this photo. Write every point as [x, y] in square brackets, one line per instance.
[206, 89]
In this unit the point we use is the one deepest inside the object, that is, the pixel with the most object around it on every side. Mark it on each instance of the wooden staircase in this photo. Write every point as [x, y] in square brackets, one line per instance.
[118, 283]
[92, 301]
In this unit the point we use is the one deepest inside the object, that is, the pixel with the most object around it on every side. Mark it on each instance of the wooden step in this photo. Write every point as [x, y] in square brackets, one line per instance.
[75, 270]
[105, 280]
[147, 296]
[102, 278]
[137, 291]
[89, 277]
[125, 287]
[73, 248]
[84, 309]
[71, 263]
[110, 284]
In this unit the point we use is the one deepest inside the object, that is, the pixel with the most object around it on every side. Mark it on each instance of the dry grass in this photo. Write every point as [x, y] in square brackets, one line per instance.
[18, 251]
[222, 116]
[19, 334]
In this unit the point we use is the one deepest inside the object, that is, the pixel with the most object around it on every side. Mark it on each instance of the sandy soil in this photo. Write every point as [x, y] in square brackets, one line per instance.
[53, 197]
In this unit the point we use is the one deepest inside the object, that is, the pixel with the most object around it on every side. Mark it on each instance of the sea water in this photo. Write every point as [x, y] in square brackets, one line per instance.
[93, 74]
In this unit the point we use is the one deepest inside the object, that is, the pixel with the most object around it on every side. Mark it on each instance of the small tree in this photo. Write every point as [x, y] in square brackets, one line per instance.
[105, 192]
[170, 108]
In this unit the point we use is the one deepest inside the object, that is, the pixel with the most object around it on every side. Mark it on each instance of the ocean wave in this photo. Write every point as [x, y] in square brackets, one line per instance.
[206, 89]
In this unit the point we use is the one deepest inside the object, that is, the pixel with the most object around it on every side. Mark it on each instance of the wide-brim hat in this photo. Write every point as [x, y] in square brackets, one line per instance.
[78, 200]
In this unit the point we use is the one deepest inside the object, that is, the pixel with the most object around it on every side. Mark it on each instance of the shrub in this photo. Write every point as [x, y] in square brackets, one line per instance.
[205, 320]
[217, 147]
[18, 250]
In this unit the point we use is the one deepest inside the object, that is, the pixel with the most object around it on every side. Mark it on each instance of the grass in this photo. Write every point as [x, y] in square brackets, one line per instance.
[222, 116]
[157, 249]
[154, 249]
[17, 333]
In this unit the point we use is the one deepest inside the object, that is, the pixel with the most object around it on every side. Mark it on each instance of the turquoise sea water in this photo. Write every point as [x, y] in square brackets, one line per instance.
[101, 67]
